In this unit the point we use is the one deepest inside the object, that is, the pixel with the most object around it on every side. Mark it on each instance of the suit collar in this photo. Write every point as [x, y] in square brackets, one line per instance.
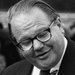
[68, 61]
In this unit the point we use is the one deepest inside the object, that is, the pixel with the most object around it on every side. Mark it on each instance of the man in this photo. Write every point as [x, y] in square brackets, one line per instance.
[36, 29]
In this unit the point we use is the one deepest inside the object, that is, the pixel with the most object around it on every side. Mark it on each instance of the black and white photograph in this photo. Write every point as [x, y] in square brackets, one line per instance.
[37, 37]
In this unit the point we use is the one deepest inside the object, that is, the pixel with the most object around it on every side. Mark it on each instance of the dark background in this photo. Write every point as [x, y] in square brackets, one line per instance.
[59, 5]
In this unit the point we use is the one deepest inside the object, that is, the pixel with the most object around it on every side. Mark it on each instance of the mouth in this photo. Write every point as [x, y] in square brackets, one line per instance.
[44, 54]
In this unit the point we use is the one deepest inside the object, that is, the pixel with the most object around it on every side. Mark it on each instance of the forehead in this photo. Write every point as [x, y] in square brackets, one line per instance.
[29, 23]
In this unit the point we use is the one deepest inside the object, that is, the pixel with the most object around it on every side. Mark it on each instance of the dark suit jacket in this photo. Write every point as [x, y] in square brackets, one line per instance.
[67, 66]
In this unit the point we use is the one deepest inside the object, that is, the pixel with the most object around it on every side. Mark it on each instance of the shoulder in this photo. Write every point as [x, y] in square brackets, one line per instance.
[71, 43]
[17, 67]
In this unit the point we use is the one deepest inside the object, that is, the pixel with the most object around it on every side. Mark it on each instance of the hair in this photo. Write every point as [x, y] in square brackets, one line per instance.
[27, 5]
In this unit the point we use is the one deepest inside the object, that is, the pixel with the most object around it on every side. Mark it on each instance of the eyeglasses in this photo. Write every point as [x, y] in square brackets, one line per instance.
[27, 44]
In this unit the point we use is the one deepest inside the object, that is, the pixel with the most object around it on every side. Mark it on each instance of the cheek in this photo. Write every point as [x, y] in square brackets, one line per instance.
[57, 44]
[27, 53]
[57, 49]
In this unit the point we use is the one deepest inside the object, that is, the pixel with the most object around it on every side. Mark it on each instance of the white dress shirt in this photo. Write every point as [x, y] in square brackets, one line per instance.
[36, 71]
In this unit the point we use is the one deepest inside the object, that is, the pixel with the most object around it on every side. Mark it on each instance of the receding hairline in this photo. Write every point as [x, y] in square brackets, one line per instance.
[27, 5]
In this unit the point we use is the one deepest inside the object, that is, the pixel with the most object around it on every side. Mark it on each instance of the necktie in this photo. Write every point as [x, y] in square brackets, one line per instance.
[54, 72]
[45, 72]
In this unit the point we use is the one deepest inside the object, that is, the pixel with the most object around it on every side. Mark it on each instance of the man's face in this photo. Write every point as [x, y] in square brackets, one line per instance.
[46, 54]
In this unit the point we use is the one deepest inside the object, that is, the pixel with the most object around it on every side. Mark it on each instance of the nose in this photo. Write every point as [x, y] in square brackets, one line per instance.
[37, 45]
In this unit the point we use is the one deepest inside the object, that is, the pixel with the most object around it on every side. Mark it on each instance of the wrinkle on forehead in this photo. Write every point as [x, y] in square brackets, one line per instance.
[35, 14]
[23, 22]
[36, 24]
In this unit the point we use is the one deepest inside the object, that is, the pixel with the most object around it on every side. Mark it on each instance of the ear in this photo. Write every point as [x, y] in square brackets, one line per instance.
[62, 30]
[60, 25]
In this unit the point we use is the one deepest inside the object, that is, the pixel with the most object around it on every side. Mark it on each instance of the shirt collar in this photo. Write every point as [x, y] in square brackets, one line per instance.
[36, 71]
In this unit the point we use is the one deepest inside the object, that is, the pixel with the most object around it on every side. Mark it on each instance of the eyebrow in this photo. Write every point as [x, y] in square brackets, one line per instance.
[41, 29]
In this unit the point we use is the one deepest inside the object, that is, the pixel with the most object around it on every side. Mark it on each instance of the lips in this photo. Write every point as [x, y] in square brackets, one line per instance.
[43, 54]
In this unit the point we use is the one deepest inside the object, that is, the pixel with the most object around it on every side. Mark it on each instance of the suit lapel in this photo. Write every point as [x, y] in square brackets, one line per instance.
[68, 63]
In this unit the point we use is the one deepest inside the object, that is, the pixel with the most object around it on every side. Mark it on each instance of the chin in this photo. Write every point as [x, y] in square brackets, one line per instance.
[43, 67]
[46, 66]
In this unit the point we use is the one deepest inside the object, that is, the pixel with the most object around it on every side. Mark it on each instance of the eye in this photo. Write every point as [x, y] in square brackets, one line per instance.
[44, 36]
[26, 45]
[26, 42]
